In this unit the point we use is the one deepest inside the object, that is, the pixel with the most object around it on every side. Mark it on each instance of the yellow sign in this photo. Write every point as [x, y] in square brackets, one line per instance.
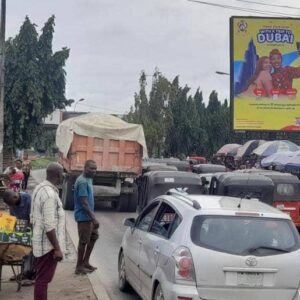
[265, 73]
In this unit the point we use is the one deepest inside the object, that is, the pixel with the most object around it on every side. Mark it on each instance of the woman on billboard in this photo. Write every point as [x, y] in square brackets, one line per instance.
[260, 84]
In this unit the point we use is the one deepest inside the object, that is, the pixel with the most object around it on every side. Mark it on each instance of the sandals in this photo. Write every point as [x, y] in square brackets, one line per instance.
[90, 268]
[80, 271]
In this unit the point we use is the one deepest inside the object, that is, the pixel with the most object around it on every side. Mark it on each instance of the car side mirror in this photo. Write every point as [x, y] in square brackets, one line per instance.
[129, 222]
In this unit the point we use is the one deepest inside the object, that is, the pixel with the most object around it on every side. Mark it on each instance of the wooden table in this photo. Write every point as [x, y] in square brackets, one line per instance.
[13, 255]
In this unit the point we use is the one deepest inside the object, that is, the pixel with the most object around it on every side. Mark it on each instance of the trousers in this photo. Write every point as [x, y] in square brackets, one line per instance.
[45, 270]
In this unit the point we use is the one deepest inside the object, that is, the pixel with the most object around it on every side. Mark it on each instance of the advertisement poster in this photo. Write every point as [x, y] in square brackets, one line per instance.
[265, 73]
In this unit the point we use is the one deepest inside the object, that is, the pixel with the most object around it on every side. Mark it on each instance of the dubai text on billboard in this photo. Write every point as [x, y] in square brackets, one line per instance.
[265, 73]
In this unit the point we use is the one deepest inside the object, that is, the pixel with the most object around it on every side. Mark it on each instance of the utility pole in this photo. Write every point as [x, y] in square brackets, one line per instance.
[2, 70]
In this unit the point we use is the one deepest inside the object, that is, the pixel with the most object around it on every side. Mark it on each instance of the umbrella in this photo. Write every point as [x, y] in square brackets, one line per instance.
[277, 159]
[228, 148]
[294, 163]
[248, 147]
[271, 147]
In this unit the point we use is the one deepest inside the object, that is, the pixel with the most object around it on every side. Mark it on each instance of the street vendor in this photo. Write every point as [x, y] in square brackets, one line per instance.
[19, 204]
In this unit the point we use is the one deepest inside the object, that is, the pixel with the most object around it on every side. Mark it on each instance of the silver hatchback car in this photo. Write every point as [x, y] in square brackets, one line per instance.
[188, 247]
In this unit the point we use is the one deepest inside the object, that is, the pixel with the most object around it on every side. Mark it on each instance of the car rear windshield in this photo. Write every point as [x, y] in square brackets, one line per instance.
[245, 235]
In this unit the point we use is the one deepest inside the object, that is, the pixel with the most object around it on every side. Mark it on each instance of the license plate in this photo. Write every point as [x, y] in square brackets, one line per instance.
[250, 279]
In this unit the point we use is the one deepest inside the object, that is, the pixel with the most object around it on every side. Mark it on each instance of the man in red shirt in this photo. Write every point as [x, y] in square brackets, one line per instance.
[282, 77]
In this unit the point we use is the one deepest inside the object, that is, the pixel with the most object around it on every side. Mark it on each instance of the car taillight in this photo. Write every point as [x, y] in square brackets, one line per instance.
[184, 265]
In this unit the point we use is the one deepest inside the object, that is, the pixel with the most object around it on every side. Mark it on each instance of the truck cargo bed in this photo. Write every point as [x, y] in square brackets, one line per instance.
[109, 155]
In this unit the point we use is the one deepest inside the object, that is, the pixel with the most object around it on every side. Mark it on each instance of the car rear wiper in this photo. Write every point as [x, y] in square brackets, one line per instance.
[250, 250]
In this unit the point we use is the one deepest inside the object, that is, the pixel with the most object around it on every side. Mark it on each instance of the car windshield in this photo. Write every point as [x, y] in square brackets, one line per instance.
[245, 235]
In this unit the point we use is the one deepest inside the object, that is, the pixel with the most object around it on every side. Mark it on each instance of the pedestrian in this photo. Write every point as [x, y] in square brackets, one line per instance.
[16, 178]
[18, 165]
[26, 168]
[85, 217]
[19, 206]
[48, 222]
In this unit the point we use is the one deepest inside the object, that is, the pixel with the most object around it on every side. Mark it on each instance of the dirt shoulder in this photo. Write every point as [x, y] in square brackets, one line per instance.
[65, 285]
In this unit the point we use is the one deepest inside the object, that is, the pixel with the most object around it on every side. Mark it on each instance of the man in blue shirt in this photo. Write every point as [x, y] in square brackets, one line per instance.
[19, 204]
[84, 215]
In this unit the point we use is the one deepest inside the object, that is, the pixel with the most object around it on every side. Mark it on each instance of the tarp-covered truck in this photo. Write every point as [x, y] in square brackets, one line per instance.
[116, 146]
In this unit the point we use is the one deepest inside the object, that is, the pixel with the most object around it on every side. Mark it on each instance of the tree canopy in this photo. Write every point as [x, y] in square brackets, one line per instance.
[35, 81]
[178, 123]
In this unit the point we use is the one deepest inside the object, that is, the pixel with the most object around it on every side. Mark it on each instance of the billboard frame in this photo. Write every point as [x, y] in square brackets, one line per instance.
[231, 51]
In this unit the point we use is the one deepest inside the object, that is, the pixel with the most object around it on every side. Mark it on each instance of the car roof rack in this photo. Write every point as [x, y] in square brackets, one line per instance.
[181, 194]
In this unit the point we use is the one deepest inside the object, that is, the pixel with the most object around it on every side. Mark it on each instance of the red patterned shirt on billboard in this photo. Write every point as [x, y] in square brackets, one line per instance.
[282, 79]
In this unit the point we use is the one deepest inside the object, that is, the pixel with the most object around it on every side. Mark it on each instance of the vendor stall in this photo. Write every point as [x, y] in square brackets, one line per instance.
[15, 244]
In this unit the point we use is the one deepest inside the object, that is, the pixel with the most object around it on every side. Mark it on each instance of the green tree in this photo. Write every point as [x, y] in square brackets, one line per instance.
[46, 142]
[177, 123]
[217, 126]
[34, 83]
[201, 124]
[158, 103]
[179, 135]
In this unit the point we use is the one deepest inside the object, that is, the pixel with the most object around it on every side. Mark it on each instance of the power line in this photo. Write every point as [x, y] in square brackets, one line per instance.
[271, 5]
[264, 12]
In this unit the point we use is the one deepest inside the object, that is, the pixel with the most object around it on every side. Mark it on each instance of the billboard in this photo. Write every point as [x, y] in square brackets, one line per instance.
[265, 73]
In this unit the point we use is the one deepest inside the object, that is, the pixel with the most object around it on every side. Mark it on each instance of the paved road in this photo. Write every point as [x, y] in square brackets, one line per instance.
[105, 254]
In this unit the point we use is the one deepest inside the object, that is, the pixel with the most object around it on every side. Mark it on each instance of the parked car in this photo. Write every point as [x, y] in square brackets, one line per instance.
[208, 168]
[197, 159]
[210, 247]
[286, 195]
[153, 184]
[181, 165]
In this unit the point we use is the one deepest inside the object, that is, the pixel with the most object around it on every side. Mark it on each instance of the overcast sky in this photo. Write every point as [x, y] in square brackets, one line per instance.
[111, 41]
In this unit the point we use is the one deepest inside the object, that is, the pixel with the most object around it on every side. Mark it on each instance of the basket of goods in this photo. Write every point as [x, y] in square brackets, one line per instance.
[15, 238]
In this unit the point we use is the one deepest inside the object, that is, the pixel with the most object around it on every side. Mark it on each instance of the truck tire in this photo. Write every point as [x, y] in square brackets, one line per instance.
[122, 203]
[67, 193]
[133, 200]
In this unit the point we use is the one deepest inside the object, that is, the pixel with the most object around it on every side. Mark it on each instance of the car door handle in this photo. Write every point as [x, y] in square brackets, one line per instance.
[156, 251]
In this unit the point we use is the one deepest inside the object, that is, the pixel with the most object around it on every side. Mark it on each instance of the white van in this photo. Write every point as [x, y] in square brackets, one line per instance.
[206, 247]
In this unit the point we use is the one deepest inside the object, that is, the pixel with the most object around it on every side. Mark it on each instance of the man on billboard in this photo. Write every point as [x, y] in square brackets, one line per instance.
[282, 77]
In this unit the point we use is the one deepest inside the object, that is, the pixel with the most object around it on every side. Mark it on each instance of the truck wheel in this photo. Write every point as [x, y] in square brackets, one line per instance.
[122, 203]
[133, 200]
[67, 194]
